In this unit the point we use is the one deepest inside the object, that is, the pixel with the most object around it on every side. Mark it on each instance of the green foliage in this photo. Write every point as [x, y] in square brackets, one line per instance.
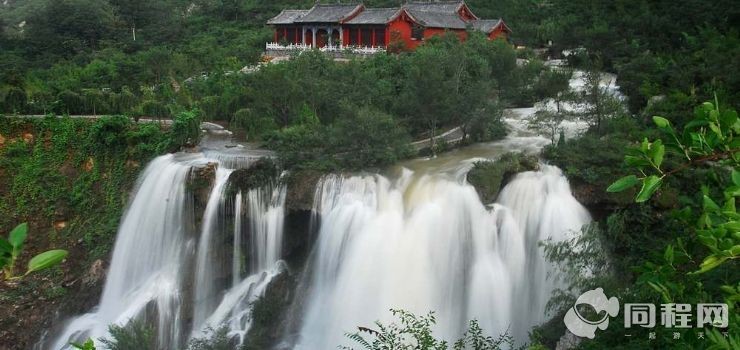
[87, 345]
[11, 249]
[15, 100]
[255, 125]
[364, 139]
[136, 335]
[489, 177]
[415, 332]
[214, 340]
[155, 110]
[711, 137]
[65, 168]
[185, 129]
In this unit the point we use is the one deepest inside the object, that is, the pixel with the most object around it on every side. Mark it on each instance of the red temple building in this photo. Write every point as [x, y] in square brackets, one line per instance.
[341, 26]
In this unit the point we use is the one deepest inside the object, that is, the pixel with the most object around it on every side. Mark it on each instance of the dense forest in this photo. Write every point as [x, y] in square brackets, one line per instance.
[662, 190]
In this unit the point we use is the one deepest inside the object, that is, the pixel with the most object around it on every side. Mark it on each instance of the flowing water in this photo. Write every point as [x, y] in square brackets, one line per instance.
[424, 242]
[178, 275]
[416, 238]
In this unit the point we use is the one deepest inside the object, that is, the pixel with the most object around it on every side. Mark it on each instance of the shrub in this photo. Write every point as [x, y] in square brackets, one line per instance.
[185, 129]
[136, 335]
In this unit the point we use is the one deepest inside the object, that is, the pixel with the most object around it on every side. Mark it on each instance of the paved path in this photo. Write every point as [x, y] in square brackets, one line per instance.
[451, 137]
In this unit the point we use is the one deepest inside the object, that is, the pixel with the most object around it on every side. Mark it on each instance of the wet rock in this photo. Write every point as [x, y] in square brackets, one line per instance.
[132, 164]
[95, 274]
[567, 341]
[489, 177]
[28, 137]
[89, 164]
[261, 173]
[301, 189]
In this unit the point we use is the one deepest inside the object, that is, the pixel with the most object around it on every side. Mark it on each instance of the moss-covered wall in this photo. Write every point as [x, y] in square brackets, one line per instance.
[70, 179]
[489, 177]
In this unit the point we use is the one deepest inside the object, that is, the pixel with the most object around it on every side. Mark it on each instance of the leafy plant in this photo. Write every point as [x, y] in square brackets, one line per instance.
[415, 332]
[136, 335]
[11, 249]
[89, 344]
[711, 139]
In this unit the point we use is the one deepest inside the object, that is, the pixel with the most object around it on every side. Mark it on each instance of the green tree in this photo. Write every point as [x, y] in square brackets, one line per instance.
[154, 109]
[185, 130]
[93, 99]
[256, 126]
[69, 102]
[15, 100]
[66, 27]
[709, 142]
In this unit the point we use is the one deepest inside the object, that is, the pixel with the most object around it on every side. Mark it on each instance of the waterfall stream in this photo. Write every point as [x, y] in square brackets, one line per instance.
[416, 238]
[175, 276]
[424, 243]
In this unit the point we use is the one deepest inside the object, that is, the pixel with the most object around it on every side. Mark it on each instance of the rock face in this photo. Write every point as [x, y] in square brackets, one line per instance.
[301, 189]
[489, 177]
[567, 341]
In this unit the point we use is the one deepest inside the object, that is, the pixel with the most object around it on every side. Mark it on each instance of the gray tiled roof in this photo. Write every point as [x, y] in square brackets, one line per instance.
[287, 16]
[486, 25]
[327, 13]
[438, 20]
[374, 16]
[448, 7]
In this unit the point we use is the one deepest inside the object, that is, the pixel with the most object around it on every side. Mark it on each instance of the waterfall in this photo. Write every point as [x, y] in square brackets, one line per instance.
[147, 258]
[425, 242]
[210, 252]
[167, 271]
[266, 214]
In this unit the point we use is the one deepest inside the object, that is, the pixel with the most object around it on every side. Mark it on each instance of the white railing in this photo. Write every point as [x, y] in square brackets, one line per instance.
[278, 46]
[362, 50]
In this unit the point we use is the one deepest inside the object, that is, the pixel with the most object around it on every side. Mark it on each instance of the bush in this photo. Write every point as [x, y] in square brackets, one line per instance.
[415, 332]
[255, 125]
[15, 100]
[136, 335]
[215, 340]
[185, 130]
[69, 103]
[489, 177]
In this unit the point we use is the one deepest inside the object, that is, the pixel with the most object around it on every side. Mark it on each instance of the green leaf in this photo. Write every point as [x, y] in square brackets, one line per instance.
[649, 186]
[668, 255]
[715, 128]
[710, 263]
[623, 184]
[5, 247]
[661, 122]
[46, 260]
[736, 177]
[635, 161]
[709, 205]
[695, 124]
[657, 151]
[18, 235]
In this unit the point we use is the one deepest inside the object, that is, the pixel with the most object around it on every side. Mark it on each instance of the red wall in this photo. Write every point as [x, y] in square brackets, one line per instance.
[499, 33]
[430, 32]
[402, 25]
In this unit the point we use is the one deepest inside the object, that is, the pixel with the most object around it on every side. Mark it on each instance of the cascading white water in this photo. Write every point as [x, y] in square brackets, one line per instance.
[164, 272]
[266, 214]
[209, 258]
[147, 258]
[427, 243]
